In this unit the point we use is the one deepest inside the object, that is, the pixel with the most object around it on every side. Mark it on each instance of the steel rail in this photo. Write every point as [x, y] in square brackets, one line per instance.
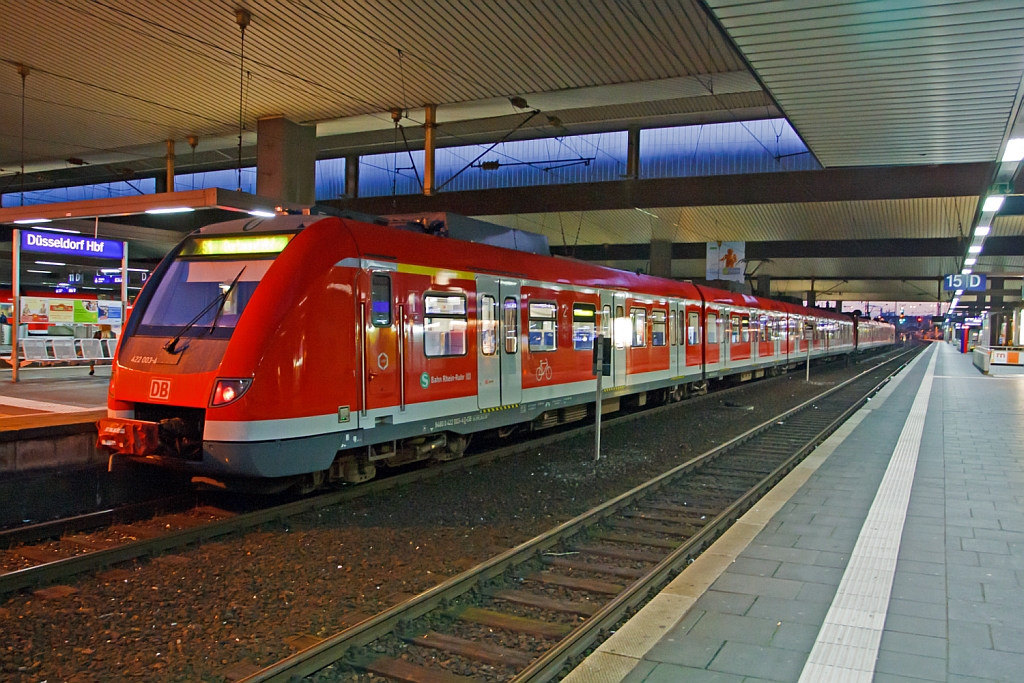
[58, 570]
[332, 649]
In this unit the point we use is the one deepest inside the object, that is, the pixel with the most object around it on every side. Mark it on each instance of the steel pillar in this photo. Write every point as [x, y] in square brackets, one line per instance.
[633, 153]
[429, 146]
[352, 176]
[169, 187]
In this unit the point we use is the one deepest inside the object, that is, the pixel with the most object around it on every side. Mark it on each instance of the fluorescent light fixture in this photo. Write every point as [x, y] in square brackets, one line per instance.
[974, 248]
[958, 293]
[92, 288]
[31, 221]
[982, 230]
[72, 232]
[173, 209]
[41, 272]
[970, 261]
[262, 213]
[966, 271]
[1014, 150]
[50, 263]
[993, 203]
[109, 271]
[134, 270]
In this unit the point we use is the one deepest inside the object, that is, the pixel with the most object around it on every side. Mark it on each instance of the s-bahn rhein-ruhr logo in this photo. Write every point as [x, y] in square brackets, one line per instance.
[425, 380]
[160, 389]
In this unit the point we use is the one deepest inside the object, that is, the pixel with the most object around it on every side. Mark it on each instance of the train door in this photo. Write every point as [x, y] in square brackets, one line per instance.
[488, 357]
[511, 341]
[622, 333]
[713, 339]
[381, 361]
[674, 340]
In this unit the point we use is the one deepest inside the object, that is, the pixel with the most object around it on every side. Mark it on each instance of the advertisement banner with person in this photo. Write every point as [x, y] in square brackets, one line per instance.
[61, 311]
[86, 311]
[726, 261]
[110, 314]
[34, 310]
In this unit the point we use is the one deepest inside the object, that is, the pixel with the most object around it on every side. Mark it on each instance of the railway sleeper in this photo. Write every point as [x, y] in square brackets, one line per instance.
[509, 622]
[401, 670]
[573, 583]
[481, 652]
[683, 531]
[592, 567]
[633, 539]
[619, 553]
[544, 602]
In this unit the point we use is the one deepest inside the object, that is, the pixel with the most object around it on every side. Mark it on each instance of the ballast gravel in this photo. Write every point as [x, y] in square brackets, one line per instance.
[252, 599]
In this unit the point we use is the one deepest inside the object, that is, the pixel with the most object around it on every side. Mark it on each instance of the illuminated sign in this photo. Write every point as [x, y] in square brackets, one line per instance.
[232, 246]
[65, 290]
[972, 282]
[67, 245]
[106, 279]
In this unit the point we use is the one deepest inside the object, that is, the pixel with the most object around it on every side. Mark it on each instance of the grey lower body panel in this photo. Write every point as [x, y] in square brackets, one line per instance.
[268, 458]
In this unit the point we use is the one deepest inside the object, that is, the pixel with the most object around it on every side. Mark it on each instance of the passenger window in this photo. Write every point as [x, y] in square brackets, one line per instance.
[638, 318]
[734, 329]
[658, 328]
[444, 325]
[745, 329]
[673, 338]
[712, 328]
[693, 330]
[511, 315]
[606, 322]
[380, 300]
[488, 315]
[543, 327]
[583, 326]
[621, 327]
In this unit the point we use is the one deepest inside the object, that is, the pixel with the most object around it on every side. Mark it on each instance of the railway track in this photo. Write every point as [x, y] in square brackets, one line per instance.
[536, 609]
[68, 552]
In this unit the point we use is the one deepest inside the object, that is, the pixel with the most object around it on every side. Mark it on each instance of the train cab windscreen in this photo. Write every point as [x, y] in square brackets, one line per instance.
[209, 284]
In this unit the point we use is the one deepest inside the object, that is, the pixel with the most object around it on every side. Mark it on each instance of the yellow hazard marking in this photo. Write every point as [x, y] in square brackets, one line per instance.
[494, 410]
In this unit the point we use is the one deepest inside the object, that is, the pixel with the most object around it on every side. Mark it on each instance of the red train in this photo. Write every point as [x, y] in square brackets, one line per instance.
[305, 348]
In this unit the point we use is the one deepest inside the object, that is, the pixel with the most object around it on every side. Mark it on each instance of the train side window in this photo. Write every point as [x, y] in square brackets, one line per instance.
[745, 329]
[658, 328]
[380, 300]
[488, 325]
[511, 314]
[621, 327]
[673, 336]
[638, 322]
[583, 326]
[712, 328]
[734, 329]
[444, 325]
[693, 329]
[606, 322]
[543, 326]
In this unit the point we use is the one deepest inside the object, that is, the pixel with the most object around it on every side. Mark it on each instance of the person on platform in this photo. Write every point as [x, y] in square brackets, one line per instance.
[102, 333]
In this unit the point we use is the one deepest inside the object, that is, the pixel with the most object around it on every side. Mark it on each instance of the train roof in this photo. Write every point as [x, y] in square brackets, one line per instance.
[382, 242]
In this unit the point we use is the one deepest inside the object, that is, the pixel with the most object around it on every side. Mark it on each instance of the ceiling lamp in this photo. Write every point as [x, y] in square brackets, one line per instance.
[993, 203]
[1014, 150]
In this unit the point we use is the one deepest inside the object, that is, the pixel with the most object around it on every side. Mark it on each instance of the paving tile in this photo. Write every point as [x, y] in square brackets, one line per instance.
[753, 566]
[1002, 594]
[791, 635]
[827, 559]
[673, 673]
[732, 627]
[771, 552]
[974, 544]
[758, 585]
[996, 664]
[639, 672]
[774, 664]
[911, 608]
[817, 592]
[955, 678]
[1007, 639]
[1004, 575]
[926, 568]
[801, 611]
[725, 603]
[965, 590]
[969, 634]
[911, 665]
[915, 625]
[687, 651]
[967, 558]
[986, 613]
[925, 646]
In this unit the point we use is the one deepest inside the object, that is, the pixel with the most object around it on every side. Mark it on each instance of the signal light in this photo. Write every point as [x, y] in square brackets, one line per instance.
[227, 391]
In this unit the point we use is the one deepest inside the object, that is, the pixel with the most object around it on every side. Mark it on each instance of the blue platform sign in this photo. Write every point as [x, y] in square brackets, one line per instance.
[969, 283]
[71, 245]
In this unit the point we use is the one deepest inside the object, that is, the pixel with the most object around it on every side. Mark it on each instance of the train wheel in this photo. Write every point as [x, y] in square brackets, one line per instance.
[311, 481]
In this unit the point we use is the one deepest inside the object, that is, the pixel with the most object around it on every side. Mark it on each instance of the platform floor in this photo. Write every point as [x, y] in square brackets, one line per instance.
[894, 553]
[52, 396]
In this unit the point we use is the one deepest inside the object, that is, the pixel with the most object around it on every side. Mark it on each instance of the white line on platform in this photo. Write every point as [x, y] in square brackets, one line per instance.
[44, 406]
[847, 645]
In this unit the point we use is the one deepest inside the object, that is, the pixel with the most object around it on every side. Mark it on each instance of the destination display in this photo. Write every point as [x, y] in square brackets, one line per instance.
[71, 245]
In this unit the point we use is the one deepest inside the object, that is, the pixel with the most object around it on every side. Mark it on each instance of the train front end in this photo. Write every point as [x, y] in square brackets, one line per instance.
[191, 352]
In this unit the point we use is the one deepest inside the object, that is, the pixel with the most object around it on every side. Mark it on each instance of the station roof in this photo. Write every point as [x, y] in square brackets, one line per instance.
[906, 107]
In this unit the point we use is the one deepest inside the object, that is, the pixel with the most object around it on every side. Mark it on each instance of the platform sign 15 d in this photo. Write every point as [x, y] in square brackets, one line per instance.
[70, 245]
[968, 283]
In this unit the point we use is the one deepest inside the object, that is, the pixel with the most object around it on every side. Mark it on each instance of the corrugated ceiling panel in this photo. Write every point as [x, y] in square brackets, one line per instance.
[1008, 225]
[883, 83]
[111, 74]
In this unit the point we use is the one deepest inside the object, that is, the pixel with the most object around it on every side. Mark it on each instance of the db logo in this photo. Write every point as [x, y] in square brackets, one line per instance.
[160, 390]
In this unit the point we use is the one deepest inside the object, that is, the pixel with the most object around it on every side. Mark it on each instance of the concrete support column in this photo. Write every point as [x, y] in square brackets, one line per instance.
[661, 258]
[169, 186]
[811, 298]
[429, 145]
[996, 300]
[633, 153]
[285, 161]
[764, 285]
[352, 176]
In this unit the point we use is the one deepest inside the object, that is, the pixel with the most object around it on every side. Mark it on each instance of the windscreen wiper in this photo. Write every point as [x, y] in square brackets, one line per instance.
[171, 345]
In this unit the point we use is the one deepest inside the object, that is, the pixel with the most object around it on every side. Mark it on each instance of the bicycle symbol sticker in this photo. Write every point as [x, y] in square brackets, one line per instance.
[543, 371]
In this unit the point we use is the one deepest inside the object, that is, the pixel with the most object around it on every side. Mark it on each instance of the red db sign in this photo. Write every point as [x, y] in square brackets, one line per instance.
[160, 390]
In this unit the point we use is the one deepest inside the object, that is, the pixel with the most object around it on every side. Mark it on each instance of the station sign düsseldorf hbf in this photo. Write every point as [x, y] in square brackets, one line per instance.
[71, 245]
[972, 282]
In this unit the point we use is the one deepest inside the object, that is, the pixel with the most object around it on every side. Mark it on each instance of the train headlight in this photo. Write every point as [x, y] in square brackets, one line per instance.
[228, 391]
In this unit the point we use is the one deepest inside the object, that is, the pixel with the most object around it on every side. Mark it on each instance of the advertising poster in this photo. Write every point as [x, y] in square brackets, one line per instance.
[85, 311]
[34, 310]
[110, 314]
[61, 311]
[725, 261]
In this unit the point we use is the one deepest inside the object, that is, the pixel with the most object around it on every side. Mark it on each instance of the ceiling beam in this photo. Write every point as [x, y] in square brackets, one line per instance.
[828, 185]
